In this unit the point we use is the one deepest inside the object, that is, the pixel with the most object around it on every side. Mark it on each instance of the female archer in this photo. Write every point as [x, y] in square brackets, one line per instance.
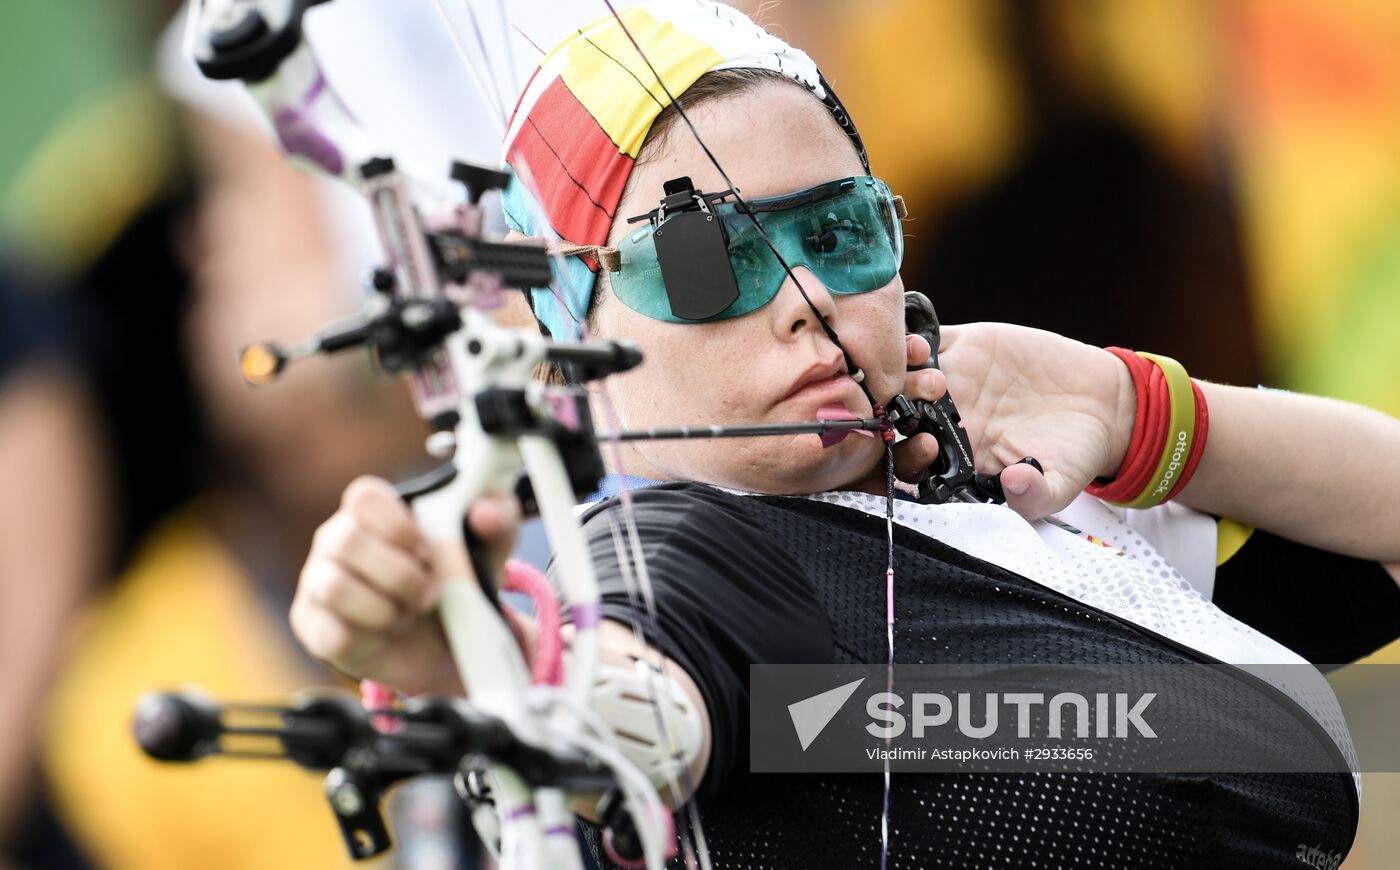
[655, 143]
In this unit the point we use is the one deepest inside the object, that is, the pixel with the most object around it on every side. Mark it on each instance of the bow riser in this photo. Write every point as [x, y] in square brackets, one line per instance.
[538, 825]
[316, 128]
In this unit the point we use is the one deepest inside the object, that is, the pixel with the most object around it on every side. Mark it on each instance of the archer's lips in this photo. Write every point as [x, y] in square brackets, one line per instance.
[821, 383]
[825, 392]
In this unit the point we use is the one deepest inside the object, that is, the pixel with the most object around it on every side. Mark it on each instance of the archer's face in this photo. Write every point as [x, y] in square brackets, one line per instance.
[771, 140]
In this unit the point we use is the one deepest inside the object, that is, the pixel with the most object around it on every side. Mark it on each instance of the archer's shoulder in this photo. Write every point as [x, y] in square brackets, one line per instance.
[672, 505]
[700, 539]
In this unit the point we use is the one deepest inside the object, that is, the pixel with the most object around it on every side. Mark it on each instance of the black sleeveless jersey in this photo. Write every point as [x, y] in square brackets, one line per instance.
[743, 580]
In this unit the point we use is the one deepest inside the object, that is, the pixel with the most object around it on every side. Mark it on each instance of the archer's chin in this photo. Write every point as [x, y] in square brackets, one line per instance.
[803, 465]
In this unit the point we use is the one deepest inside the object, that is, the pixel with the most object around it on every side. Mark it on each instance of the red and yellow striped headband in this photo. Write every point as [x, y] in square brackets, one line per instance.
[577, 130]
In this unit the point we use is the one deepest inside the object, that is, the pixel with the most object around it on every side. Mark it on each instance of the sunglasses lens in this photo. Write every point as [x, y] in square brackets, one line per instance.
[846, 232]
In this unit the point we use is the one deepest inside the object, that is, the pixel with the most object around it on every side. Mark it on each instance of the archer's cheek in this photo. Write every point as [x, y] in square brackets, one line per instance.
[874, 334]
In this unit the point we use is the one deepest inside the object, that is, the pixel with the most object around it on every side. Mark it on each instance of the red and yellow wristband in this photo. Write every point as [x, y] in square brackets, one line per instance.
[1169, 433]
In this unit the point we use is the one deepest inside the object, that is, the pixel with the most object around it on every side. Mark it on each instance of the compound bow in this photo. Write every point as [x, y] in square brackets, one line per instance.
[526, 741]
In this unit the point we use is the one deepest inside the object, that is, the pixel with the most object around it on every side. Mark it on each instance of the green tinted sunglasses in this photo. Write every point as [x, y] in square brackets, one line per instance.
[678, 268]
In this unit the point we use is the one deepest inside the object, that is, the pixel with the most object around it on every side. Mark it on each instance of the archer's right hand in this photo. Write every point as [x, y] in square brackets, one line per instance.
[366, 603]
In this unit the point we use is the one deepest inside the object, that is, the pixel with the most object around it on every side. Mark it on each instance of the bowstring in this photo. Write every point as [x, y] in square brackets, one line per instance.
[641, 583]
[740, 203]
[889, 641]
[638, 586]
[742, 207]
[490, 92]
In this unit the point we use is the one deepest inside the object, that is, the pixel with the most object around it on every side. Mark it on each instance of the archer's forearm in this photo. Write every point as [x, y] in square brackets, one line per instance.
[619, 647]
[1317, 471]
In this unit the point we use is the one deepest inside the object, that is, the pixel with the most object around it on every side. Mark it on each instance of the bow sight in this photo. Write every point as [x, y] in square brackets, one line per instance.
[413, 314]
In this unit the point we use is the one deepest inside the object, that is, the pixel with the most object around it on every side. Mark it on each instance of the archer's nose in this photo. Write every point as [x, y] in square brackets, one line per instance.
[802, 302]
